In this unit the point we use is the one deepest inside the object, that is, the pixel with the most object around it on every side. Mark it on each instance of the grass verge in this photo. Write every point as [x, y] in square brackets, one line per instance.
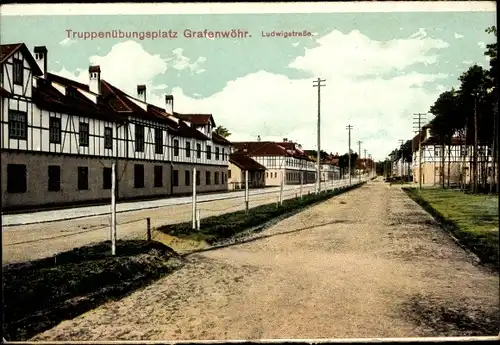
[40, 294]
[216, 229]
[472, 219]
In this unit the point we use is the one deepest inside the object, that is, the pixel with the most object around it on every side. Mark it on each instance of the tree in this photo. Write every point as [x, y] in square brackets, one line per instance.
[476, 107]
[492, 53]
[222, 131]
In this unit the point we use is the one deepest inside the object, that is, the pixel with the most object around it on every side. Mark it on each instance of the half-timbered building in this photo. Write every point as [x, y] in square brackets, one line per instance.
[457, 158]
[59, 139]
[282, 160]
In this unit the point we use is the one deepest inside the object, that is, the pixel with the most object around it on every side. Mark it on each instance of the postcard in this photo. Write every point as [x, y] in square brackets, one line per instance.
[187, 172]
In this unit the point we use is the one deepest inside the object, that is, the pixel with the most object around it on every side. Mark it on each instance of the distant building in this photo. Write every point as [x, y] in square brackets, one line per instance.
[238, 165]
[282, 160]
[458, 156]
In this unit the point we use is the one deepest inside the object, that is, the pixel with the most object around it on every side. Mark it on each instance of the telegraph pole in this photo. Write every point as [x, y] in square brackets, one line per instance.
[418, 117]
[319, 83]
[365, 163]
[349, 128]
[359, 157]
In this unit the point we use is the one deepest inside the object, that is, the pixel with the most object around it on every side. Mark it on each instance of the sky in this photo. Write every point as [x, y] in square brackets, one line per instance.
[380, 67]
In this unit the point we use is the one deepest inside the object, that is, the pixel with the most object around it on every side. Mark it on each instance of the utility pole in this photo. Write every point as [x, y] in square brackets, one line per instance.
[418, 117]
[349, 128]
[359, 157]
[319, 83]
[365, 163]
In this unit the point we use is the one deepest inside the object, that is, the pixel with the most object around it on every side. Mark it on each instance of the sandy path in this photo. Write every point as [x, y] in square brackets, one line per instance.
[345, 268]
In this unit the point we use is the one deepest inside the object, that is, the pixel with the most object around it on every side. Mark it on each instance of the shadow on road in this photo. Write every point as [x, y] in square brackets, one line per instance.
[239, 241]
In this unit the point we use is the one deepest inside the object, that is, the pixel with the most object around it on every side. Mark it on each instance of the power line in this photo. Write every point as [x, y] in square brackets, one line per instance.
[319, 83]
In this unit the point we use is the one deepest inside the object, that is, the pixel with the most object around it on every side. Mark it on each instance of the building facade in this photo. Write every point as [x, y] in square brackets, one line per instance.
[283, 161]
[456, 164]
[60, 139]
[239, 164]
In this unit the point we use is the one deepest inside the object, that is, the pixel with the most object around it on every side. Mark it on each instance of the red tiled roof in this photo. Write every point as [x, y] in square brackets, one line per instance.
[7, 50]
[244, 162]
[47, 97]
[65, 81]
[196, 119]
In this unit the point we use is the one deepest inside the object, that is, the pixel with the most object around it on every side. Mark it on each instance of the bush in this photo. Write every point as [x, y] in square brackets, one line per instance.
[40, 294]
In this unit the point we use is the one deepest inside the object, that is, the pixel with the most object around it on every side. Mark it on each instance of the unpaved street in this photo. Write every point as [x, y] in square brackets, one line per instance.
[368, 263]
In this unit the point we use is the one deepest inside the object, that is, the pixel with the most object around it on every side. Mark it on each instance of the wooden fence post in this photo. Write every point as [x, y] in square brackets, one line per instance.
[148, 226]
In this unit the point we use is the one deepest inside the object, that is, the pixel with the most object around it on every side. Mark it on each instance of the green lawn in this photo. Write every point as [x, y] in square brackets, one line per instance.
[472, 218]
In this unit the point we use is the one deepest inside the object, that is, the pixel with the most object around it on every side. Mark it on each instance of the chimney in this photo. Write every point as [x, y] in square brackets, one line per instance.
[95, 79]
[169, 104]
[141, 92]
[258, 138]
[41, 59]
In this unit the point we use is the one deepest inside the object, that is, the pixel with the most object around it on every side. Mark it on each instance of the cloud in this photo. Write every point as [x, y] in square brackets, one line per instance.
[457, 35]
[468, 62]
[356, 55]
[67, 42]
[481, 45]
[181, 62]
[362, 88]
[295, 44]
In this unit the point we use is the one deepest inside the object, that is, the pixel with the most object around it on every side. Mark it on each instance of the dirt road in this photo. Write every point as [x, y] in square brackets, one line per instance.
[369, 263]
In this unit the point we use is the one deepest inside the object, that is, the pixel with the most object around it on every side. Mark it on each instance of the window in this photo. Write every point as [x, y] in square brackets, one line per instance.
[198, 179]
[84, 134]
[216, 178]
[83, 178]
[188, 149]
[106, 178]
[198, 150]
[187, 176]
[216, 153]
[18, 72]
[175, 178]
[275, 174]
[222, 178]
[223, 155]
[18, 125]
[55, 130]
[158, 179]
[54, 178]
[16, 178]
[207, 178]
[108, 137]
[209, 152]
[229, 173]
[158, 141]
[138, 176]
[437, 151]
[176, 147]
[139, 138]
[267, 174]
